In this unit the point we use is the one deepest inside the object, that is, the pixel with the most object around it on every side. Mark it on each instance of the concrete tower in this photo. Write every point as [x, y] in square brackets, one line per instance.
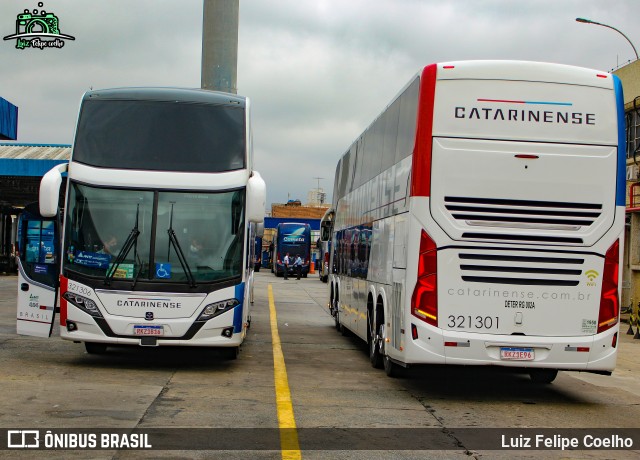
[220, 45]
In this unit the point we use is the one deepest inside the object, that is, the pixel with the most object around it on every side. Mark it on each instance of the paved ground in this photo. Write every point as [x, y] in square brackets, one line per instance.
[50, 383]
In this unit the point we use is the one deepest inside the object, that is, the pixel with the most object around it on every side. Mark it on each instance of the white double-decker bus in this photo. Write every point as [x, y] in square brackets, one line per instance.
[162, 207]
[479, 220]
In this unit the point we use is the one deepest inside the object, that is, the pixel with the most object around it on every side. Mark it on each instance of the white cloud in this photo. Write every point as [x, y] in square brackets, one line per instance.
[317, 71]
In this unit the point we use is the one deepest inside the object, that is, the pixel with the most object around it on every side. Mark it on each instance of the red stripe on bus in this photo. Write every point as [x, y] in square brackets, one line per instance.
[502, 100]
[421, 168]
[64, 286]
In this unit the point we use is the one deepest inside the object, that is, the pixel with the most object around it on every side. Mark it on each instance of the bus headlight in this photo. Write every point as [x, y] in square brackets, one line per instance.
[217, 308]
[84, 304]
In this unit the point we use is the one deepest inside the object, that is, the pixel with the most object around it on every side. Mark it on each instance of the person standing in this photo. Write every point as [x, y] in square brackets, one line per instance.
[298, 266]
[285, 262]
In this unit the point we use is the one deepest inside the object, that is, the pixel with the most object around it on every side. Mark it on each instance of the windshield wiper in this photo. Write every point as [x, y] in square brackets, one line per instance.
[135, 279]
[181, 258]
[129, 243]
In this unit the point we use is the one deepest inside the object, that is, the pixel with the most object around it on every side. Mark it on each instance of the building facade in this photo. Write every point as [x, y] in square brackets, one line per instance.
[630, 78]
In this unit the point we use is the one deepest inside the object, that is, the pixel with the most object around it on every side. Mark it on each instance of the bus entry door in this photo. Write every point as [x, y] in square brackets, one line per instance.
[38, 270]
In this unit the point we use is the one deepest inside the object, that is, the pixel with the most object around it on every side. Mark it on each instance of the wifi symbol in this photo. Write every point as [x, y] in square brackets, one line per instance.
[591, 274]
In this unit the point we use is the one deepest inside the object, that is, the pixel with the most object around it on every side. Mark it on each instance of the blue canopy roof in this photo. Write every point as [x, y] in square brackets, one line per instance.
[8, 120]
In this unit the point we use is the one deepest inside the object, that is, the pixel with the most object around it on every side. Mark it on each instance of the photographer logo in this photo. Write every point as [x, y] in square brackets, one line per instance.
[38, 29]
[23, 439]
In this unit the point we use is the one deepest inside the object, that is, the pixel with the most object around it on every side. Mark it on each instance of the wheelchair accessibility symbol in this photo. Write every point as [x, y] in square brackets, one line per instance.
[163, 271]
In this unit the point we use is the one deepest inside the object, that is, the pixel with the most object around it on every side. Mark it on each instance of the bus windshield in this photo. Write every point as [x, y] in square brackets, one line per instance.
[208, 229]
[152, 135]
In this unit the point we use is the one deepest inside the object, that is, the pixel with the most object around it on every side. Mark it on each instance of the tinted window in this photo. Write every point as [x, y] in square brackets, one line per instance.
[208, 229]
[390, 135]
[373, 155]
[161, 136]
[38, 247]
[350, 168]
[337, 194]
[358, 174]
[408, 120]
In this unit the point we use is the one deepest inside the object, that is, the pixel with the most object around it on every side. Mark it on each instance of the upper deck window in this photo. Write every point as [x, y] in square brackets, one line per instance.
[160, 136]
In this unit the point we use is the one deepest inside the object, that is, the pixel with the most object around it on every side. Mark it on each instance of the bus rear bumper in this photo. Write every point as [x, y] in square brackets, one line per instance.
[582, 353]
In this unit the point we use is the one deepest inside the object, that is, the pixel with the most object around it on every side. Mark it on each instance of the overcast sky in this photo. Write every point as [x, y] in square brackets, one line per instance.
[317, 71]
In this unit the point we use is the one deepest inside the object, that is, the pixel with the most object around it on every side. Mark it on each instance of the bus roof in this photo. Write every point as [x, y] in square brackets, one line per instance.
[167, 94]
[523, 71]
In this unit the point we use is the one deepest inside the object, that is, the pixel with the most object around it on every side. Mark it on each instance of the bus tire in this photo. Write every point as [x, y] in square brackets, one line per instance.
[374, 342]
[94, 348]
[543, 376]
[390, 368]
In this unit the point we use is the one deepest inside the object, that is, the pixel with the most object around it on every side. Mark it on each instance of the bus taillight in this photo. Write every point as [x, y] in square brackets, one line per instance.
[609, 300]
[424, 301]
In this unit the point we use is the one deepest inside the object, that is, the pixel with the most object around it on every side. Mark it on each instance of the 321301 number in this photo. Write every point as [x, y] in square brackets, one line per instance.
[473, 322]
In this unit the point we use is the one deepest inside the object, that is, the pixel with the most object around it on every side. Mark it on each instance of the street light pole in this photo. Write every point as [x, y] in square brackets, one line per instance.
[589, 21]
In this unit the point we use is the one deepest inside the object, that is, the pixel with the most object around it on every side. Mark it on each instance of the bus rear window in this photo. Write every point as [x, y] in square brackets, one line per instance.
[160, 136]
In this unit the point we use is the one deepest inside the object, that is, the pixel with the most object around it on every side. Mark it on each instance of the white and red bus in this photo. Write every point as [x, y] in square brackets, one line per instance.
[157, 239]
[479, 220]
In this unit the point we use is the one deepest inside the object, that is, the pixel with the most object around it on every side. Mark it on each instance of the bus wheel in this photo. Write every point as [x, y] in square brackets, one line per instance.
[94, 348]
[544, 376]
[334, 311]
[374, 338]
[343, 330]
[390, 368]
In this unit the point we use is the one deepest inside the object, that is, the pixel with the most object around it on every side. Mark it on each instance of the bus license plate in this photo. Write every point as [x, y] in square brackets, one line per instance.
[148, 330]
[517, 354]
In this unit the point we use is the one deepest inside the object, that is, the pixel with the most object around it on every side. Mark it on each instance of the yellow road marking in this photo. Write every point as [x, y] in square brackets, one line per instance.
[286, 420]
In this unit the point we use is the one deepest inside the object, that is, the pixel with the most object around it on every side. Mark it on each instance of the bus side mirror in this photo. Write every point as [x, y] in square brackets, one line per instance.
[260, 230]
[50, 190]
[256, 198]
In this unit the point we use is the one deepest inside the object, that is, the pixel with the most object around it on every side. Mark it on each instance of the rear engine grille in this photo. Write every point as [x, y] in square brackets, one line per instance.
[545, 215]
[522, 238]
[521, 270]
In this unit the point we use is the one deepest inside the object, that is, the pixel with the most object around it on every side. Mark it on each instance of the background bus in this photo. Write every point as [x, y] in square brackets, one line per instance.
[479, 220]
[160, 218]
[257, 254]
[292, 238]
